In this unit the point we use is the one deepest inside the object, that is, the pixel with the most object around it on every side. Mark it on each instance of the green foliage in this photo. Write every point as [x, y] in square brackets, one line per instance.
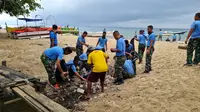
[18, 7]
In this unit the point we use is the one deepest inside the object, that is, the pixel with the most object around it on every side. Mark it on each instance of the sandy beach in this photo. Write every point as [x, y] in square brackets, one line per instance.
[170, 87]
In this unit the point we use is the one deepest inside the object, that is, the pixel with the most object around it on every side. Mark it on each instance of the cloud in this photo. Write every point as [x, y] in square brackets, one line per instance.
[132, 13]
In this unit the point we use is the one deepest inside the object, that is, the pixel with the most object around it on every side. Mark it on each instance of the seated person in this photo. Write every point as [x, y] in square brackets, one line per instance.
[133, 56]
[71, 68]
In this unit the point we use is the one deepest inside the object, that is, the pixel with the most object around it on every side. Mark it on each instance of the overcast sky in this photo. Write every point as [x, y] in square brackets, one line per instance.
[120, 13]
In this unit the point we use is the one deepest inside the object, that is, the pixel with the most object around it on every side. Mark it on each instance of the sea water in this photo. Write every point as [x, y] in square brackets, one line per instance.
[129, 32]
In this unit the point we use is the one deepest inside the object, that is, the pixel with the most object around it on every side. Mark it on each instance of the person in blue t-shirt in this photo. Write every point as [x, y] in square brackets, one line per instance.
[53, 36]
[150, 49]
[71, 65]
[80, 42]
[160, 35]
[142, 45]
[194, 42]
[51, 57]
[120, 57]
[129, 48]
[174, 38]
[103, 42]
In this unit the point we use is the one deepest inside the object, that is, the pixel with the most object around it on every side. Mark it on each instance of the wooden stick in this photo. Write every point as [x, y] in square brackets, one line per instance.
[12, 101]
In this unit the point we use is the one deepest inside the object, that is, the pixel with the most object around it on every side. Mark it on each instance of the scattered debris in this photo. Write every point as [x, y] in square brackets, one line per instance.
[72, 94]
[36, 44]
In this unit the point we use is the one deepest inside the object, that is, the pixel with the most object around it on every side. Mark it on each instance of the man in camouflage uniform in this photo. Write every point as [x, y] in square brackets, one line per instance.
[194, 42]
[150, 49]
[80, 43]
[142, 45]
[52, 57]
[193, 45]
[120, 57]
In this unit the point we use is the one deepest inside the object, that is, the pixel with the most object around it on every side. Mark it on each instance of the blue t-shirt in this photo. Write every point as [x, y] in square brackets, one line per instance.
[54, 53]
[102, 41]
[121, 47]
[128, 67]
[129, 48]
[152, 36]
[174, 36]
[160, 33]
[54, 36]
[196, 26]
[142, 39]
[80, 39]
[70, 65]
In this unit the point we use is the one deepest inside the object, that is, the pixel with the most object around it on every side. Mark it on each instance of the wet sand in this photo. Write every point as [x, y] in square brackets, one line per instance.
[170, 87]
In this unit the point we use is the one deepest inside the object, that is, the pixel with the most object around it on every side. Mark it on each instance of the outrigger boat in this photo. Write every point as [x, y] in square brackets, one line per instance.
[35, 31]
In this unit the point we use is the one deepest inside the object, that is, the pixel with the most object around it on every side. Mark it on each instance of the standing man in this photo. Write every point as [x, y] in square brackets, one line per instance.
[120, 57]
[174, 38]
[80, 43]
[50, 58]
[53, 36]
[103, 42]
[194, 42]
[142, 45]
[160, 35]
[150, 49]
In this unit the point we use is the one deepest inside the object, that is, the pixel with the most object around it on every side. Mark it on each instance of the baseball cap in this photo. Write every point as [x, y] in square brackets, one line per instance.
[90, 48]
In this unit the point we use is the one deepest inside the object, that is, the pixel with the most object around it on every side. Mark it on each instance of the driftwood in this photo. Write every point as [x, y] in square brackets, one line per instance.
[182, 47]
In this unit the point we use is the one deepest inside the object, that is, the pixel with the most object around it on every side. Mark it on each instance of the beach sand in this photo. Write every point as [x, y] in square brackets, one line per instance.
[170, 87]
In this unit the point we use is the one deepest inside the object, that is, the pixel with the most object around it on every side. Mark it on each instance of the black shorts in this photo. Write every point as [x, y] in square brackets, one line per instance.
[94, 76]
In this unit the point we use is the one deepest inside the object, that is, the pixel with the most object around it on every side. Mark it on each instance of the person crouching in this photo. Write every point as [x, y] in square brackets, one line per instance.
[50, 58]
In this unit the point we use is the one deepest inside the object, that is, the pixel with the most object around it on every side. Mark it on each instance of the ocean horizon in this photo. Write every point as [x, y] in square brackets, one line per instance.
[129, 32]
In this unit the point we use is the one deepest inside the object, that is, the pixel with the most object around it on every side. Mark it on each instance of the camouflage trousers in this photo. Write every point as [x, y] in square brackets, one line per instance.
[79, 50]
[50, 68]
[193, 45]
[160, 37]
[148, 60]
[141, 49]
[120, 60]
